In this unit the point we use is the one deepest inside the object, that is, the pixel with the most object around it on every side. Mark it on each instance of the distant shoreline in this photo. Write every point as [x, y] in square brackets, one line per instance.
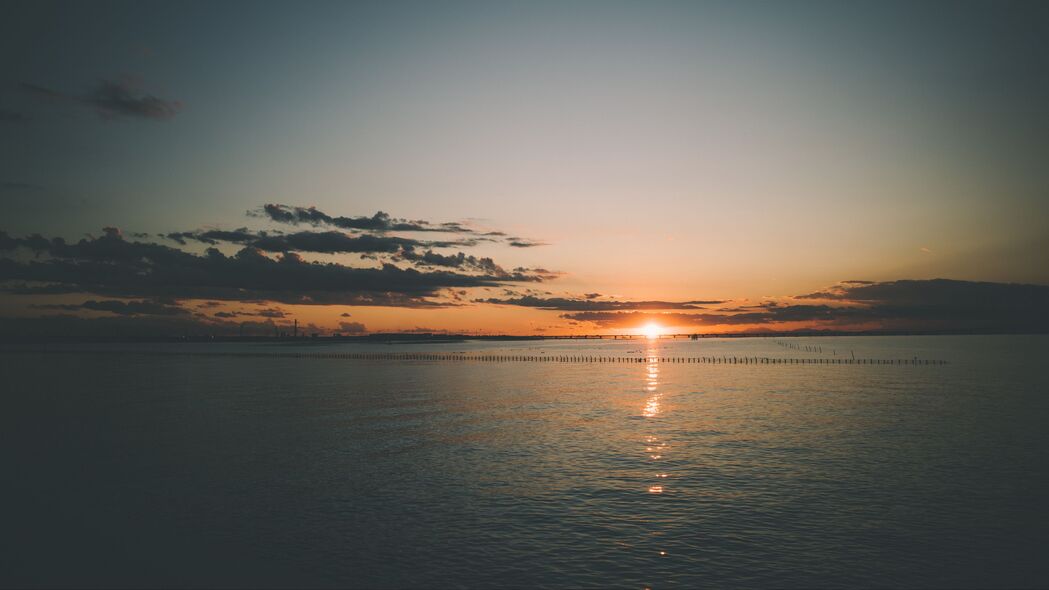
[396, 337]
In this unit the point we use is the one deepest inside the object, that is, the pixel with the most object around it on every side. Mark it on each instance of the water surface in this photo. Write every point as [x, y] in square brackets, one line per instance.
[127, 469]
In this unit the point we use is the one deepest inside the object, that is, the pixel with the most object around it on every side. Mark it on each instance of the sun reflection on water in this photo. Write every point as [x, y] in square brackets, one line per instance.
[655, 447]
[652, 385]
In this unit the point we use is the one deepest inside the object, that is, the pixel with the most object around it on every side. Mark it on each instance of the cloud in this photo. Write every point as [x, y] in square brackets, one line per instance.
[65, 327]
[458, 260]
[543, 273]
[368, 245]
[214, 236]
[272, 312]
[120, 307]
[593, 304]
[295, 215]
[332, 242]
[423, 330]
[937, 305]
[524, 243]
[120, 99]
[112, 99]
[112, 266]
[352, 328]
[939, 292]
[798, 313]
[431, 258]
[382, 222]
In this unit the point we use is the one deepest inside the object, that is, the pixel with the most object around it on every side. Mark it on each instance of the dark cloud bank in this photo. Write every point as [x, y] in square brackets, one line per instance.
[110, 265]
[146, 285]
[937, 305]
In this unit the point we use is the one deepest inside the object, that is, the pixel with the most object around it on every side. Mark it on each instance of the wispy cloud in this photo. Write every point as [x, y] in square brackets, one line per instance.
[524, 243]
[112, 99]
[382, 222]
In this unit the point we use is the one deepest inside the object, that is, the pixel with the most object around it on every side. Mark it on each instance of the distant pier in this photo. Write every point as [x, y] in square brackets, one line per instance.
[467, 357]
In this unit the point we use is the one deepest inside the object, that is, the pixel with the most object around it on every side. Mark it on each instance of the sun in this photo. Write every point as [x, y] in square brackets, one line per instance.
[652, 330]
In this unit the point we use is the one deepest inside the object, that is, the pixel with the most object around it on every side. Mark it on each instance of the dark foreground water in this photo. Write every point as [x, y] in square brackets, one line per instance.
[131, 469]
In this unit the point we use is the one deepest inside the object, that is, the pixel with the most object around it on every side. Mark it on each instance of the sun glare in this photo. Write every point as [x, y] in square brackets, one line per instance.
[652, 330]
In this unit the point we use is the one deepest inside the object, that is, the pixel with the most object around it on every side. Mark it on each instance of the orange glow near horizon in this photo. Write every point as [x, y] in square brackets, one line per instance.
[263, 317]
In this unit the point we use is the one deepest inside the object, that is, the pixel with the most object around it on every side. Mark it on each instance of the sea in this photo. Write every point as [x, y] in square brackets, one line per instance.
[290, 464]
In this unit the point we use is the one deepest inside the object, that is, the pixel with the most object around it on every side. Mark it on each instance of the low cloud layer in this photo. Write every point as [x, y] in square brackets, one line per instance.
[594, 304]
[937, 305]
[112, 266]
[67, 327]
[218, 281]
[119, 307]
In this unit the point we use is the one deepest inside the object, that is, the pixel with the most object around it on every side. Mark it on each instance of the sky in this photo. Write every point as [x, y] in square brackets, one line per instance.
[523, 167]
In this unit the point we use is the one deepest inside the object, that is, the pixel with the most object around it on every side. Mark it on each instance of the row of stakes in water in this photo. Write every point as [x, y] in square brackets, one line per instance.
[542, 358]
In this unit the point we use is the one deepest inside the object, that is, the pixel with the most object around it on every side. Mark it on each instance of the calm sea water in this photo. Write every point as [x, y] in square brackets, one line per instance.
[129, 469]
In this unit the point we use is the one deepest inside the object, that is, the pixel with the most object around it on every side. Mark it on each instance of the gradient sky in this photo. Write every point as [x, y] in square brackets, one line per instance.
[662, 151]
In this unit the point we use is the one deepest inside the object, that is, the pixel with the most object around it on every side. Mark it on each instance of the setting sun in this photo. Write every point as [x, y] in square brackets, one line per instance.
[652, 330]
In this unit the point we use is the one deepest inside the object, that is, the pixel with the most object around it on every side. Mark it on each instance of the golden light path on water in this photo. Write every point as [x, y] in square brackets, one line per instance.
[655, 447]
